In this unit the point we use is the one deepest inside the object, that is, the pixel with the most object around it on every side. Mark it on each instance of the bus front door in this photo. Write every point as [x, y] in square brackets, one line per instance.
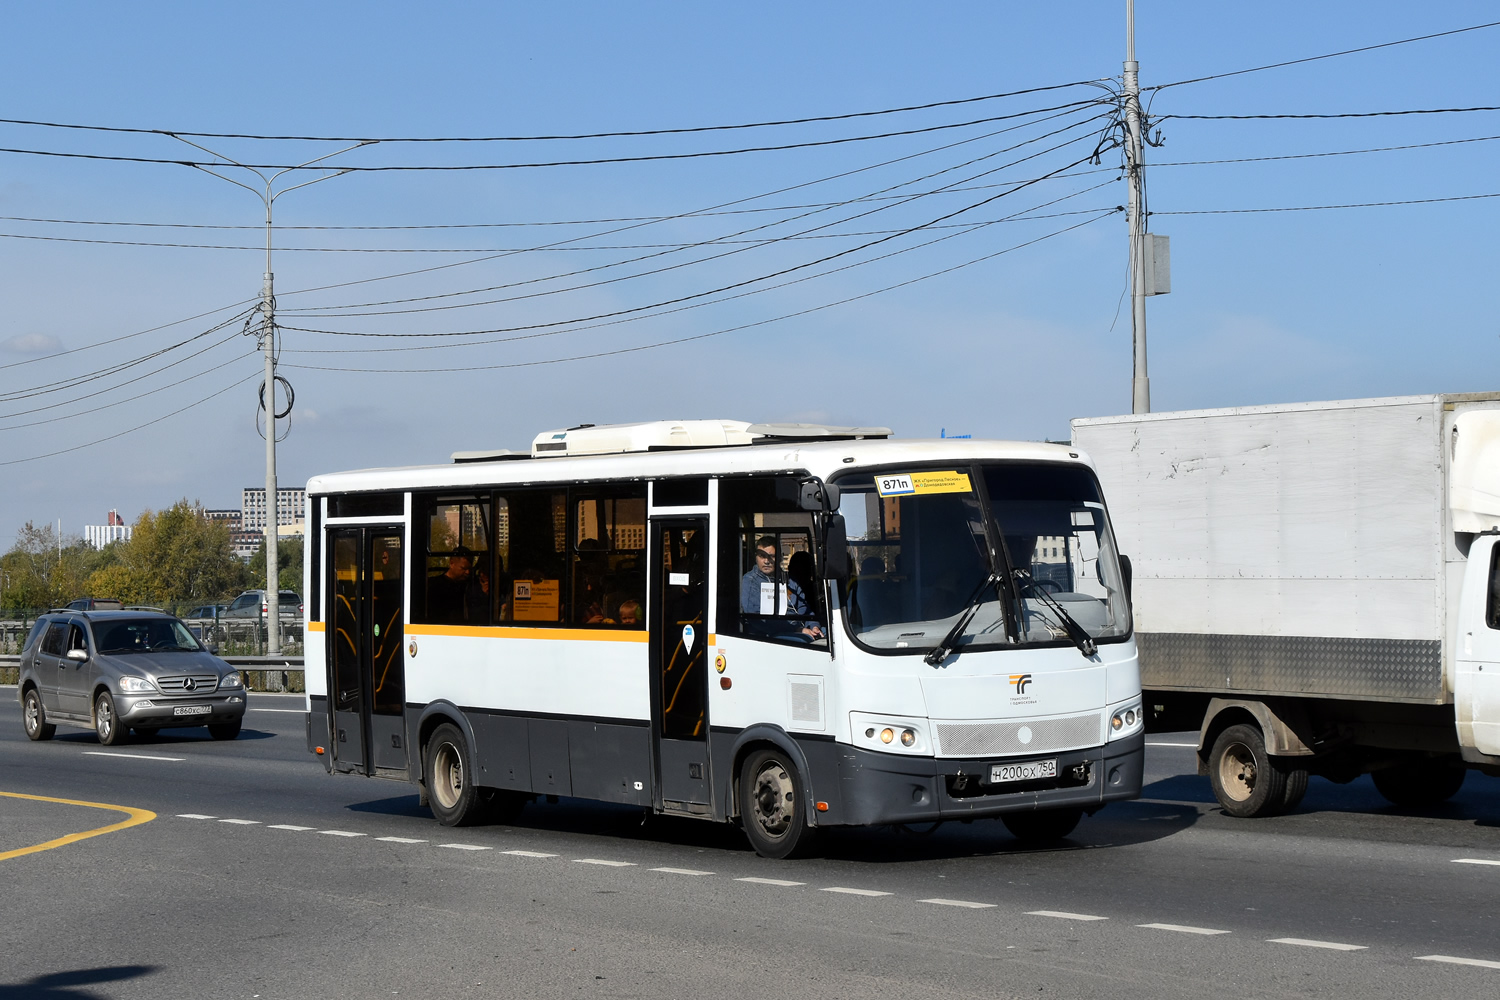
[366, 662]
[679, 659]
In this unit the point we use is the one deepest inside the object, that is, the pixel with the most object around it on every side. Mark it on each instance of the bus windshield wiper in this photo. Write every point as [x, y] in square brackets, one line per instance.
[947, 646]
[1076, 632]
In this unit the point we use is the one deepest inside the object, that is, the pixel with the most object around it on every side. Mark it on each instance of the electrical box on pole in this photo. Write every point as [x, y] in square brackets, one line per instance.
[1158, 259]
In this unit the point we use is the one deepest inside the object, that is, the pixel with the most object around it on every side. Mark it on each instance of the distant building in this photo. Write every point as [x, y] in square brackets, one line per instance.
[245, 544]
[230, 517]
[100, 535]
[291, 507]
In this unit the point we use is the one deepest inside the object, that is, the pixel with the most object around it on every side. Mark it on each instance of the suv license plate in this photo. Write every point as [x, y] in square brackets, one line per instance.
[206, 709]
[1030, 771]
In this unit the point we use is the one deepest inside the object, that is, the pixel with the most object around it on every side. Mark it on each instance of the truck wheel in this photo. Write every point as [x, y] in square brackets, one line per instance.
[34, 717]
[1245, 780]
[771, 798]
[451, 794]
[1427, 783]
[1296, 787]
[1043, 827]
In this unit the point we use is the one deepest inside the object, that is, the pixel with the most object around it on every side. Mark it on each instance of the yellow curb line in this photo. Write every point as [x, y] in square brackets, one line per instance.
[137, 817]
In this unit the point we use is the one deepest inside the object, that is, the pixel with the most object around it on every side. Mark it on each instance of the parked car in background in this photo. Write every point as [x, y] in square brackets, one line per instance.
[96, 604]
[252, 604]
[114, 671]
[207, 611]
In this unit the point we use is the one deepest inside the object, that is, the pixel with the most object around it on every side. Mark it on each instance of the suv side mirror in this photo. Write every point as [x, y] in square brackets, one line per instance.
[835, 549]
[78, 654]
[213, 649]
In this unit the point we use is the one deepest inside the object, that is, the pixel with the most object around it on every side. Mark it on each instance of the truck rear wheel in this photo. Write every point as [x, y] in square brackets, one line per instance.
[1245, 780]
[1426, 783]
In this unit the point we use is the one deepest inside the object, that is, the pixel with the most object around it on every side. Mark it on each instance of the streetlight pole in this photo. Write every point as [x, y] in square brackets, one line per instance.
[1140, 383]
[268, 196]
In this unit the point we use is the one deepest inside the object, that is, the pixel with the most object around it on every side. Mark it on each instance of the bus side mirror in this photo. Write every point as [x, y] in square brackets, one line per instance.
[835, 549]
[1127, 572]
[814, 494]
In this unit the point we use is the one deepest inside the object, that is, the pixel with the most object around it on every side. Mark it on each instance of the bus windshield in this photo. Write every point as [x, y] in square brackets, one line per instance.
[919, 554]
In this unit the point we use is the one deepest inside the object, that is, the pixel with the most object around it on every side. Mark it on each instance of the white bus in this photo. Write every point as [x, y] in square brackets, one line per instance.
[787, 626]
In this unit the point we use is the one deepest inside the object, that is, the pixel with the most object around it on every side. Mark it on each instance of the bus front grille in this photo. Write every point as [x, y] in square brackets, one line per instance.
[988, 739]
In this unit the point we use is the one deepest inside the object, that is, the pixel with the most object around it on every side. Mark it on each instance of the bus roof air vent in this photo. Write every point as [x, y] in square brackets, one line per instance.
[822, 432]
[656, 435]
[493, 455]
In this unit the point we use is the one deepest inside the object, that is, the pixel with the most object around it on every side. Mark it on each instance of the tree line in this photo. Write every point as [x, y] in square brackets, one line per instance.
[175, 558]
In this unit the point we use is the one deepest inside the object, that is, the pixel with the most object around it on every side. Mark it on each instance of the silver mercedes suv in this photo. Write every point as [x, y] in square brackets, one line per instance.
[114, 671]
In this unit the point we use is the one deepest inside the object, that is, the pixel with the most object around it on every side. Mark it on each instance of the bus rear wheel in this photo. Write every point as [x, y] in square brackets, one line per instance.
[451, 795]
[772, 797]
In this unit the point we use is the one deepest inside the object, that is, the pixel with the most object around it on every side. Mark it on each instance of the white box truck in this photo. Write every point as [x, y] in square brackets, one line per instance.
[1316, 588]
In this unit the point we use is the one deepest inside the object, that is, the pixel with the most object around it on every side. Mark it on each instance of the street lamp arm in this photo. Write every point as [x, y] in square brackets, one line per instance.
[316, 159]
[247, 187]
[227, 159]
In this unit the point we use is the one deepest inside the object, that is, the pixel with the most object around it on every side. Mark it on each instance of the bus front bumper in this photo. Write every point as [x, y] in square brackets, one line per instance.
[878, 788]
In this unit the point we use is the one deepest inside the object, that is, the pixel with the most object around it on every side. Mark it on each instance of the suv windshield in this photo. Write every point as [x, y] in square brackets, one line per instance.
[918, 551]
[144, 635]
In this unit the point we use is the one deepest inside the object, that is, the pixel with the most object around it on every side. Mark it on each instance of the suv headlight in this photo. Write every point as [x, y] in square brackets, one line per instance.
[230, 680]
[1126, 721]
[136, 685]
[889, 734]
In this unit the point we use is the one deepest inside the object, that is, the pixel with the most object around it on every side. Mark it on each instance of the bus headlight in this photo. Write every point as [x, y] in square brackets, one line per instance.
[889, 735]
[1126, 720]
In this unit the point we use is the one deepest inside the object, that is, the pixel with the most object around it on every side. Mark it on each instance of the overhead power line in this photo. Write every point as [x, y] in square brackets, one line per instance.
[546, 138]
[1341, 114]
[1326, 55]
[1323, 208]
[1334, 152]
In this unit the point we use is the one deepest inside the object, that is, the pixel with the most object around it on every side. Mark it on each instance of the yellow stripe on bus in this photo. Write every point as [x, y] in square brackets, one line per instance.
[509, 632]
[315, 626]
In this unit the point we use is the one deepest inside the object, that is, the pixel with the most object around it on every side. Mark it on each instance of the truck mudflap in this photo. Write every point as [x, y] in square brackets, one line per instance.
[879, 788]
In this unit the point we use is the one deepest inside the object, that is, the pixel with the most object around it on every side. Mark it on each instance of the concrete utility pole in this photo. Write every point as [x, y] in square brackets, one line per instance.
[267, 343]
[1140, 384]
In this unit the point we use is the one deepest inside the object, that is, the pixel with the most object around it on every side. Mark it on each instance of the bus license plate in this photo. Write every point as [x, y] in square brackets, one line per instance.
[1029, 771]
[191, 710]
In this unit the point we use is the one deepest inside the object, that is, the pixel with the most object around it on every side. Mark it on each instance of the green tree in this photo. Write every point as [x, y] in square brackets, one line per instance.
[39, 573]
[176, 556]
[288, 565]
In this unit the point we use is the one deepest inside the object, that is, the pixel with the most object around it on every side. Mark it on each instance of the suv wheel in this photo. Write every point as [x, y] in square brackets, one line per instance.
[106, 725]
[34, 718]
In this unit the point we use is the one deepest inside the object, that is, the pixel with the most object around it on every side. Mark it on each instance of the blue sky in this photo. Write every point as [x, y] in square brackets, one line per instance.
[1265, 307]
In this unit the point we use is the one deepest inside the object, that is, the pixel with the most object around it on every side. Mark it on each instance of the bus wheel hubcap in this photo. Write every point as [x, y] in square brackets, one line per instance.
[774, 798]
[448, 779]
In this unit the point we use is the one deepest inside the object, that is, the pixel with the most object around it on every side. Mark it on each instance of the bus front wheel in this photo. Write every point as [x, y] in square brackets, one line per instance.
[451, 794]
[772, 799]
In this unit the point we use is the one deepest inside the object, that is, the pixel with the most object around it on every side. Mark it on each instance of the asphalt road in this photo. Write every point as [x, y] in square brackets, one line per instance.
[260, 876]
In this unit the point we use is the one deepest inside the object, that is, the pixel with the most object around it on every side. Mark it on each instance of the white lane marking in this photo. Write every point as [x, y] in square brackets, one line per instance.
[855, 892]
[1307, 943]
[958, 902]
[242, 822]
[1182, 928]
[407, 840]
[1451, 960]
[462, 847]
[1063, 915]
[1192, 746]
[769, 881]
[289, 711]
[1176, 802]
[132, 756]
[194, 816]
[681, 871]
[1475, 861]
[288, 826]
[530, 854]
[606, 863]
[340, 833]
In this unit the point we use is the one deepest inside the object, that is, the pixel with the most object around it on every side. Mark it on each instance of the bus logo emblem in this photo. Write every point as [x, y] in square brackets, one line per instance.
[1019, 681]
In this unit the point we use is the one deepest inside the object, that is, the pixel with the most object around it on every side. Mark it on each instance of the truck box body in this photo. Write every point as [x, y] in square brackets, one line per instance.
[1303, 552]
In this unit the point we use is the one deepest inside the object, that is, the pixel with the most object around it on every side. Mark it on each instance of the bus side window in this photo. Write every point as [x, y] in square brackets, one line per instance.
[457, 580]
[532, 531]
[609, 557]
[769, 586]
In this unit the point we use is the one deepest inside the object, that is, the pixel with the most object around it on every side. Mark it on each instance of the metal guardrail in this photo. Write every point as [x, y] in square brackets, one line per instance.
[260, 673]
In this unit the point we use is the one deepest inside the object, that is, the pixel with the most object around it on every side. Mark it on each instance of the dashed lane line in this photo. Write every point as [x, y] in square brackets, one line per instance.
[405, 840]
[681, 871]
[605, 862]
[194, 816]
[1308, 943]
[466, 847]
[530, 854]
[1192, 746]
[1475, 861]
[132, 756]
[242, 822]
[855, 892]
[1452, 960]
[1183, 929]
[769, 881]
[1063, 915]
[289, 826]
[958, 902]
[290, 711]
[340, 833]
